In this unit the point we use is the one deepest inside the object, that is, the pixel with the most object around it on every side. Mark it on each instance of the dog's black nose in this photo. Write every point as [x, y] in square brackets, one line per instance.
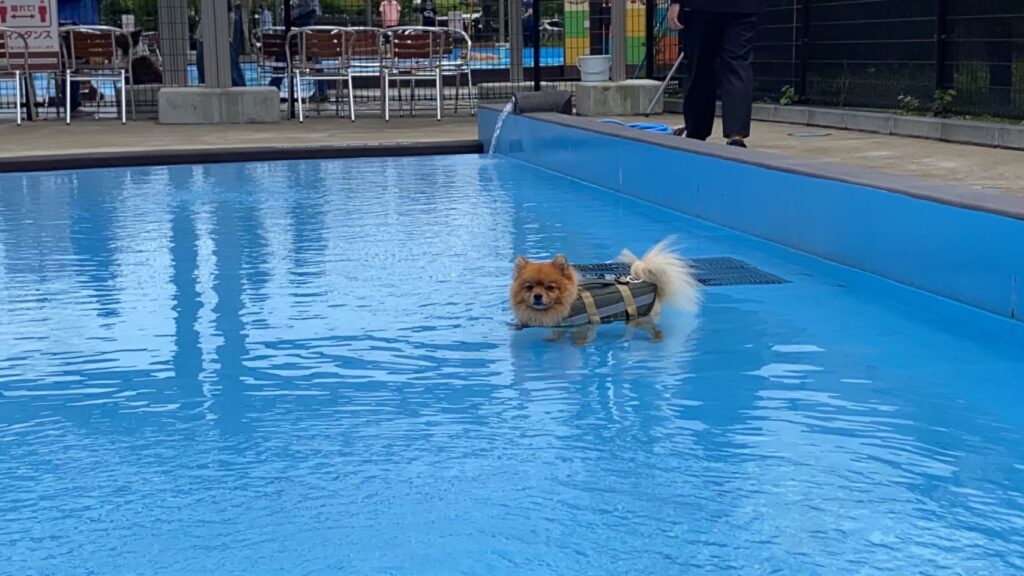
[537, 298]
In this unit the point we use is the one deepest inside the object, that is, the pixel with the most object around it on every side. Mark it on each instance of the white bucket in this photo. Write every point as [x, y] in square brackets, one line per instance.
[594, 68]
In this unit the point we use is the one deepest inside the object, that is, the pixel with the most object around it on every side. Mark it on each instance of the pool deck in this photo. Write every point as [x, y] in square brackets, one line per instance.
[45, 144]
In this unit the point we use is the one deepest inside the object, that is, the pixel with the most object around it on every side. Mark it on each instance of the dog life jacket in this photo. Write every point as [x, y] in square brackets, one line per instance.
[608, 293]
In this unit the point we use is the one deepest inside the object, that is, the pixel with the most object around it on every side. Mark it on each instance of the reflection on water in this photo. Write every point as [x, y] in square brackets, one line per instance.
[304, 367]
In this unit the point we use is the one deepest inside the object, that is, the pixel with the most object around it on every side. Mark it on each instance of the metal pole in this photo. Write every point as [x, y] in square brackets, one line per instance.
[664, 83]
[288, 68]
[618, 33]
[651, 48]
[941, 10]
[805, 47]
[535, 36]
[502, 22]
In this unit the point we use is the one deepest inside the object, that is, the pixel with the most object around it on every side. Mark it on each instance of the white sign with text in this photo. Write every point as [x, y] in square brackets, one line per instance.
[36, 19]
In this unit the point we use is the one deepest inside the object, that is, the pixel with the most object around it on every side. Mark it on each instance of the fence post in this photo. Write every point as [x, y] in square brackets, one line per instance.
[502, 22]
[172, 25]
[535, 38]
[515, 41]
[805, 46]
[618, 34]
[941, 9]
[650, 41]
[216, 29]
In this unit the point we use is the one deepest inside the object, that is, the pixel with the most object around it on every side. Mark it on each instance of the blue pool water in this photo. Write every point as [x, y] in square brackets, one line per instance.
[304, 368]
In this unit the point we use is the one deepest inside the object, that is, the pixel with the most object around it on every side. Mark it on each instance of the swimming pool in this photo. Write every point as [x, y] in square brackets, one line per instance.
[303, 368]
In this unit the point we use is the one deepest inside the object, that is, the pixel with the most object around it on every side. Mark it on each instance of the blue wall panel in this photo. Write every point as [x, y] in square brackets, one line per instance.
[970, 256]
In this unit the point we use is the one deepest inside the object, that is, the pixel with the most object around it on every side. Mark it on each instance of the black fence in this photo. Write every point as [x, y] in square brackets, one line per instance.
[942, 56]
[919, 55]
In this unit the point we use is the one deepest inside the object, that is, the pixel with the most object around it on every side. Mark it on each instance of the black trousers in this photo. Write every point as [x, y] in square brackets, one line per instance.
[719, 58]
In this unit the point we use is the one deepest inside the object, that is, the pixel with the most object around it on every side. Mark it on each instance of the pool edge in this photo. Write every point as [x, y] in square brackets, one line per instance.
[230, 154]
[986, 200]
[951, 241]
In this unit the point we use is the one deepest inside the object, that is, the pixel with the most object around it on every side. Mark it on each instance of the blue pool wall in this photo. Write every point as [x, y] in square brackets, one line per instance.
[914, 232]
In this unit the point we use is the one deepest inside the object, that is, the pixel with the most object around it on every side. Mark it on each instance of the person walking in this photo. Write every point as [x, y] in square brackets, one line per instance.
[390, 13]
[718, 38]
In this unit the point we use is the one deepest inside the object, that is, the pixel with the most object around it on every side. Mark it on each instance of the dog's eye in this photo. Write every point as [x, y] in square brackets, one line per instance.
[528, 287]
[551, 288]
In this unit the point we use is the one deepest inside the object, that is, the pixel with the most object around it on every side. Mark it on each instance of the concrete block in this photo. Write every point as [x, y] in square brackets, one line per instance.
[760, 112]
[1011, 137]
[917, 127]
[248, 105]
[504, 90]
[825, 117]
[969, 132]
[789, 114]
[869, 122]
[629, 98]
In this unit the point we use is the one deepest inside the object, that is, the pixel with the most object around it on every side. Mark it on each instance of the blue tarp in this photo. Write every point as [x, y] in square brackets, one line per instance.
[83, 12]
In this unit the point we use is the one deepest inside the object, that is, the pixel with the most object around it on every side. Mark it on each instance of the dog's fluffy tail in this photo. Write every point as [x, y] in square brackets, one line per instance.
[663, 267]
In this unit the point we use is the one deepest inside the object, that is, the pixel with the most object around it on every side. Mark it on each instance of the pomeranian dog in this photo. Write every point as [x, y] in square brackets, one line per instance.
[551, 294]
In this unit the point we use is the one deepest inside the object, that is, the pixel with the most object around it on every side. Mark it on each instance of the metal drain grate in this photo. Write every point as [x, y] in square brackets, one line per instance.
[726, 271]
[717, 271]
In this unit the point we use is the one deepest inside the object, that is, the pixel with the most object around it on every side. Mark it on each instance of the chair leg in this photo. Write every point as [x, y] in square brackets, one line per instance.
[387, 96]
[67, 98]
[458, 89]
[297, 80]
[17, 96]
[337, 96]
[439, 95]
[131, 81]
[351, 100]
[124, 101]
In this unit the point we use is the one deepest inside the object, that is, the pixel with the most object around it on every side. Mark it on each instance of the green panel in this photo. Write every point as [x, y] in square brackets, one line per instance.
[634, 50]
[575, 23]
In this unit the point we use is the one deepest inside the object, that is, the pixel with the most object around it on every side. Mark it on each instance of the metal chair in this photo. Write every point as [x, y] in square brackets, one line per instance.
[324, 53]
[10, 69]
[413, 53]
[458, 57]
[91, 54]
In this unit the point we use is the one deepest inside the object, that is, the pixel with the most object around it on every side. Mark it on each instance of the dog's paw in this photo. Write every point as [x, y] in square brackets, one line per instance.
[555, 336]
[583, 336]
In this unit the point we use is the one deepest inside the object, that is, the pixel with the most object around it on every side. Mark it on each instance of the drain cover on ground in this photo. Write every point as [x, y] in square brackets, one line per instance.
[717, 271]
[809, 134]
[726, 271]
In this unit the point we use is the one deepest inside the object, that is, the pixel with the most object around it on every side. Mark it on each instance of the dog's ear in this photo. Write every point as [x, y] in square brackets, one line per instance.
[561, 262]
[521, 263]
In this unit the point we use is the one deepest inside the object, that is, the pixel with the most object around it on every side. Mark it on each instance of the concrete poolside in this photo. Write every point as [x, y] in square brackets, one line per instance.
[972, 166]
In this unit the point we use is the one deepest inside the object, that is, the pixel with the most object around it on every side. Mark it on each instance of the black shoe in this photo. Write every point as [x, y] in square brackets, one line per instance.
[737, 142]
[680, 131]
